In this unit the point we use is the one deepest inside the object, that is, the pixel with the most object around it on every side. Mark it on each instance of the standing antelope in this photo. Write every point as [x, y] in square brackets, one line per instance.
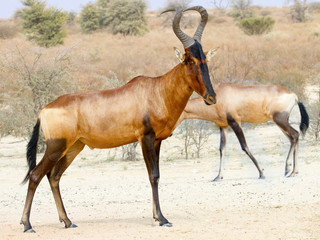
[252, 104]
[145, 109]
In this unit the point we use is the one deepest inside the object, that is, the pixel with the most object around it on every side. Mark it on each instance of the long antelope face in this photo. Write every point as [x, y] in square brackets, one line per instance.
[195, 59]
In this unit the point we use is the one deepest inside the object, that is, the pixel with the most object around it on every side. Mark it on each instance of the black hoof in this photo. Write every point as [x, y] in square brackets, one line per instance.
[262, 177]
[168, 224]
[30, 231]
[72, 226]
[217, 179]
[292, 174]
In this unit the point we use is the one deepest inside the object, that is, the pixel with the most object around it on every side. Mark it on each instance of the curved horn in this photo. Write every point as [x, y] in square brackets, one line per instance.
[184, 38]
[204, 19]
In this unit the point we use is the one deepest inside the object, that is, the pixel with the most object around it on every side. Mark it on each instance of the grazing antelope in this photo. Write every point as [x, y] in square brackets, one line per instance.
[252, 104]
[145, 109]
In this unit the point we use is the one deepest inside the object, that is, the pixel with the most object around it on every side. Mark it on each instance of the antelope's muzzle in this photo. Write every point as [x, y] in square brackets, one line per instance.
[209, 100]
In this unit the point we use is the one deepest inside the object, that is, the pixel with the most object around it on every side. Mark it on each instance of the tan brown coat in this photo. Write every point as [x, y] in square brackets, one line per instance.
[253, 104]
[146, 110]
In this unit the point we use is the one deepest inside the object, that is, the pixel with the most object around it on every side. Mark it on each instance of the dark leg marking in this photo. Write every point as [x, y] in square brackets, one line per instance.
[54, 152]
[223, 141]
[151, 150]
[54, 177]
[239, 133]
[281, 119]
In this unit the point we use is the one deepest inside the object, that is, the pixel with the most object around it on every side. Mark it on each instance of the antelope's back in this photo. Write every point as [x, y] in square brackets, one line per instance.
[255, 103]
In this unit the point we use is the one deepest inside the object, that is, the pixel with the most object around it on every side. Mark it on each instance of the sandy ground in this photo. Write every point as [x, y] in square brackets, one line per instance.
[112, 199]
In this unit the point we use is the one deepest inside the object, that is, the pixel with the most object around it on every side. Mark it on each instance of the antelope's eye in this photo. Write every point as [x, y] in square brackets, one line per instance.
[193, 62]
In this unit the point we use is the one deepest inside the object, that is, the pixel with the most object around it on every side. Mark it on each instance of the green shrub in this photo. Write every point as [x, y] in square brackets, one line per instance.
[102, 10]
[127, 17]
[254, 26]
[89, 18]
[43, 25]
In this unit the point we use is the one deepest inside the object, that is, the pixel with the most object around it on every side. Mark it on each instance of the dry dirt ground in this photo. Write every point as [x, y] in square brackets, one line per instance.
[112, 199]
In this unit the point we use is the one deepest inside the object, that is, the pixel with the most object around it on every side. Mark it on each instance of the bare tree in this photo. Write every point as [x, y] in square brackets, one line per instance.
[129, 152]
[178, 3]
[221, 4]
[194, 134]
[317, 119]
[201, 133]
[238, 66]
[241, 8]
[187, 20]
[185, 132]
[36, 80]
[315, 114]
[298, 10]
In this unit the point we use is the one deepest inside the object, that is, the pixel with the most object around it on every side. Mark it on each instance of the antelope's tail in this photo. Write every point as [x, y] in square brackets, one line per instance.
[32, 150]
[304, 124]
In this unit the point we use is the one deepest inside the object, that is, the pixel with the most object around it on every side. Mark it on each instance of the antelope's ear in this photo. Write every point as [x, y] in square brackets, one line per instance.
[211, 53]
[179, 55]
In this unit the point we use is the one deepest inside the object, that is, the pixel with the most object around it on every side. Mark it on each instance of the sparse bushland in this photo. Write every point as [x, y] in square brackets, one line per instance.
[314, 7]
[285, 56]
[313, 91]
[187, 20]
[298, 10]
[256, 26]
[241, 9]
[36, 79]
[245, 17]
[194, 134]
[315, 117]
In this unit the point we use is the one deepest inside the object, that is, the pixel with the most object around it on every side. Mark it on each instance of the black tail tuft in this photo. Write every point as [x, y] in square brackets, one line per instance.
[304, 124]
[32, 150]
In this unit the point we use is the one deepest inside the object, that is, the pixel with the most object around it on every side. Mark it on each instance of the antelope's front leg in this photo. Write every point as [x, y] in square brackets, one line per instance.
[151, 150]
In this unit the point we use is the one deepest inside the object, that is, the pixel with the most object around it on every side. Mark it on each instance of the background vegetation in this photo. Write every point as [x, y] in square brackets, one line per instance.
[253, 25]
[41, 24]
[31, 76]
[127, 17]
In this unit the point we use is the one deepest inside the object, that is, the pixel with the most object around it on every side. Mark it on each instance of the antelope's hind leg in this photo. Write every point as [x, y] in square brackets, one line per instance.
[54, 177]
[54, 152]
[239, 133]
[282, 121]
[222, 149]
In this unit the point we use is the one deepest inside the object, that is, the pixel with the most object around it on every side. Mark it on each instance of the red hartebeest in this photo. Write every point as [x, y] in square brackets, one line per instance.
[252, 104]
[145, 109]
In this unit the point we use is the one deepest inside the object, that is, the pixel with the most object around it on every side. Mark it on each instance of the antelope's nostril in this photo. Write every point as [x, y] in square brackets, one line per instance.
[212, 99]
[209, 100]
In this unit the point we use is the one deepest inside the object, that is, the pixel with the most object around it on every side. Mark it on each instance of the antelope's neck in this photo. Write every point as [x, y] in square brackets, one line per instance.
[175, 91]
[178, 88]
